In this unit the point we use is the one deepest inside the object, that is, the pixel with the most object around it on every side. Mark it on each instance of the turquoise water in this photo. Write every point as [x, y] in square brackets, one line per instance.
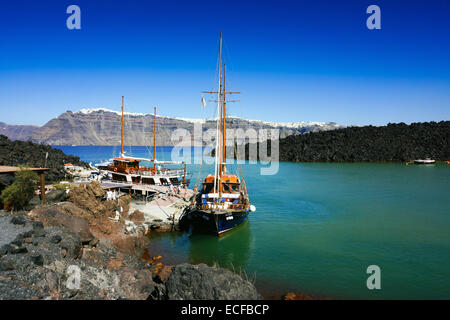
[318, 226]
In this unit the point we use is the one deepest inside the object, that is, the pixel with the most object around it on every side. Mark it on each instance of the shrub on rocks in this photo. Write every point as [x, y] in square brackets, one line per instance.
[19, 194]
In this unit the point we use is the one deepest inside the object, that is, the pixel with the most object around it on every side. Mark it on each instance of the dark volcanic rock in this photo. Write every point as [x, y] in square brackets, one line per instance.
[394, 142]
[38, 225]
[44, 270]
[52, 216]
[18, 241]
[137, 284]
[38, 233]
[56, 239]
[17, 250]
[56, 196]
[5, 249]
[201, 282]
[11, 233]
[40, 264]
[15, 153]
[6, 265]
[71, 246]
[38, 260]
[26, 234]
[18, 220]
[38, 230]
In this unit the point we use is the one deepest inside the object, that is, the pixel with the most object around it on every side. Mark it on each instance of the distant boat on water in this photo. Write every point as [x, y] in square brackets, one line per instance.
[424, 161]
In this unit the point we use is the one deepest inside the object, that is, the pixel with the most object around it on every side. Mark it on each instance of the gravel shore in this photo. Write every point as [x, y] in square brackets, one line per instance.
[9, 231]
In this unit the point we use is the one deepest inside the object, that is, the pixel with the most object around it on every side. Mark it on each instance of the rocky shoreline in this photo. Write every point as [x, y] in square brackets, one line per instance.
[391, 143]
[78, 248]
[26, 153]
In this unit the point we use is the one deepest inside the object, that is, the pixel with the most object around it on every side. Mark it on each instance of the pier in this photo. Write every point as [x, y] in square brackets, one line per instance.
[160, 205]
[133, 188]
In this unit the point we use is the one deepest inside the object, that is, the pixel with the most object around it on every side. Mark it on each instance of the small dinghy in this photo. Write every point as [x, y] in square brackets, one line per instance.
[424, 161]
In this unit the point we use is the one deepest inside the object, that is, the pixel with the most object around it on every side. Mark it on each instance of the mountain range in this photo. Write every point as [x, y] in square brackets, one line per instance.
[17, 132]
[101, 126]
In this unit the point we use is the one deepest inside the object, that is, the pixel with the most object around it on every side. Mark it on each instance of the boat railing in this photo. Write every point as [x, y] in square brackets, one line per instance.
[211, 205]
[166, 172]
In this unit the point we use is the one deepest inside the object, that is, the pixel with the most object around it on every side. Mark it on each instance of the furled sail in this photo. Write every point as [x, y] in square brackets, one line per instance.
[203, 102]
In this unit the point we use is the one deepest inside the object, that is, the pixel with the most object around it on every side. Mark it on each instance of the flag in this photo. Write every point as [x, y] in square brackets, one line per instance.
[203, 102]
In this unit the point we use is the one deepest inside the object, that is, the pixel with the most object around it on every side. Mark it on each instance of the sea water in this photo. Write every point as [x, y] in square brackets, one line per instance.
[318, 226]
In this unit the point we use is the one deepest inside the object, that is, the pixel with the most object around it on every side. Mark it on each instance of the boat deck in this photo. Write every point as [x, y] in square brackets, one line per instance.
[132, 186]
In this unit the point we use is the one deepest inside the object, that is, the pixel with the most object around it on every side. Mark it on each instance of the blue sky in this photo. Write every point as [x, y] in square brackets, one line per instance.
[292, 60]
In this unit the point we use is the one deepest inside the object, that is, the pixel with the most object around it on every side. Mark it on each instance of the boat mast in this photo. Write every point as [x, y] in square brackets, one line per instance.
[219, 154]
[121, 139]
[221, 116]
[224, 118]
[154, 142]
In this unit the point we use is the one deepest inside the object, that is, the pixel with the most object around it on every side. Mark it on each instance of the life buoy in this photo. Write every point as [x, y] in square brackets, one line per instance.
[115, 169]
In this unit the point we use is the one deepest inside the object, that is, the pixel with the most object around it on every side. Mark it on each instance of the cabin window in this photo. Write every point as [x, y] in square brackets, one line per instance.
[148, 181]
[119, 177]
[135, 179]
[231, 187]
[208, 188]
[174, 180]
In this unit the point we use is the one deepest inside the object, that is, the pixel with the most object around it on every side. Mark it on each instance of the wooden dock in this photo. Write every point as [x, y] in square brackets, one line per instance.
[144, 189]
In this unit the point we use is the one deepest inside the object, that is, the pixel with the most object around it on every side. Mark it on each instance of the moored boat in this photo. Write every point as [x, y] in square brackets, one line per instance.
[219, 212]
[128, 169]
[223, 202]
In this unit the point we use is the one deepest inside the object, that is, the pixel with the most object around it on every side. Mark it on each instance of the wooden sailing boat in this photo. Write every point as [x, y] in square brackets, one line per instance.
[127, 168]
[223, 203]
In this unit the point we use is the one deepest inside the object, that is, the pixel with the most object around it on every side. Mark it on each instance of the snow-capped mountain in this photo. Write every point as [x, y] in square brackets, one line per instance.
[102, 126]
